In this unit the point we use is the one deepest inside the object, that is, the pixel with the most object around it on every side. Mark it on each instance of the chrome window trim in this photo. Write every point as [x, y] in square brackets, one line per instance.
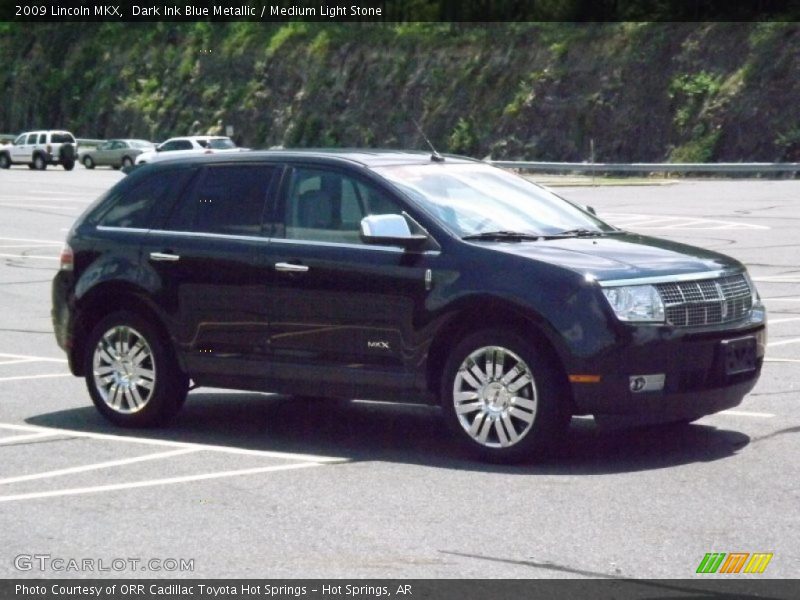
[670, 278]
[124, 229]
[252, 238]
[200, 234]
[348, 245]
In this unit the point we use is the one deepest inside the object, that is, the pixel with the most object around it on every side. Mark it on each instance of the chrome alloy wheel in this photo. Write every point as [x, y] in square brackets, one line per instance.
[124, 369]
[495, 398]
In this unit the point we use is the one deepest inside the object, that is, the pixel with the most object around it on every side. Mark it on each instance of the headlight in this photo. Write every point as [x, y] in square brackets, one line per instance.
[636, 303]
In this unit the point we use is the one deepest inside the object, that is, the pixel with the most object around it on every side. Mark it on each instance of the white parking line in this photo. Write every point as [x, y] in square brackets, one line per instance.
[14, 239]
[46, 376]
[30, 206]
[778, 279]
[33, 358]
[743, 413]
[783, 342]
[642, 221]
[29, 246]
[155, 482]
[782, 360]
[102, 465]
[789, 320]
[21, 438]
[787, 299]
[16, 362]
[169, 443]
[29, 256]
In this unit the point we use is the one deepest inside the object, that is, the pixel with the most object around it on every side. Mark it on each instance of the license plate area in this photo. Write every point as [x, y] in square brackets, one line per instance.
[739, 355]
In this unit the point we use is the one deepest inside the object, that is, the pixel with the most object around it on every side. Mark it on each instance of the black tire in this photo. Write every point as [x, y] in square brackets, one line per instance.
[503, 404]
[39, 163]
[88, 162]
[143, 388]
[5, 161]
[127, 161]
[68, 165]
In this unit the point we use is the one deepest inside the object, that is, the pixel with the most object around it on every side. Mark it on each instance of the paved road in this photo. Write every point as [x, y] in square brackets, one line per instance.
[249, 485]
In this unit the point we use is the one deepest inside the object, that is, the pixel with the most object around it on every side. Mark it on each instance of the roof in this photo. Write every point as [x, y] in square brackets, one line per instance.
[365, 157]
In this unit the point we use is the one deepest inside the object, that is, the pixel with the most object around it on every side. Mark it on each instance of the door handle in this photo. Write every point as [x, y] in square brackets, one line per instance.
[164, 257]
[290, 268]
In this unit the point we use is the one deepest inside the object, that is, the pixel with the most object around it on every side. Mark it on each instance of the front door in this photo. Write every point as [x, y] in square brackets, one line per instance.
[344, 315]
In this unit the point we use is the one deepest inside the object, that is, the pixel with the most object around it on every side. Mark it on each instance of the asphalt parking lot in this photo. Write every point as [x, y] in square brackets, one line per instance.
[251, 485]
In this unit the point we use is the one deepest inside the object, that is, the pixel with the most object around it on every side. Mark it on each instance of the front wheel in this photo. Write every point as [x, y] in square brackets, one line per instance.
[501, 397]
[127, 161]
[132, 375]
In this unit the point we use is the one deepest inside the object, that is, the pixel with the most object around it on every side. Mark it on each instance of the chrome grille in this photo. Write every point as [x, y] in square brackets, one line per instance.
[706, 301]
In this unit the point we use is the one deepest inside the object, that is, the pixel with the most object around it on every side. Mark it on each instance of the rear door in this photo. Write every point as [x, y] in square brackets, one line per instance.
[206, 259]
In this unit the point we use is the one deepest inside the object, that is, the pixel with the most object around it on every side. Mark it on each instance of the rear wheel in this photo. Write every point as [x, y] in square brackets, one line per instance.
[127, 161]
[501, 397]
[39, 163]
[132, 375]
[88, 162]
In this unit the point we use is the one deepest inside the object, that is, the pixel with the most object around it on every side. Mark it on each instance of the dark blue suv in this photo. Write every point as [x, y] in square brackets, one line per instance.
[396, 276]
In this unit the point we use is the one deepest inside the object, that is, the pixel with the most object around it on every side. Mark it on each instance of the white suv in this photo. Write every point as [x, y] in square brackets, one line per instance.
[38, 149]
[188, 146]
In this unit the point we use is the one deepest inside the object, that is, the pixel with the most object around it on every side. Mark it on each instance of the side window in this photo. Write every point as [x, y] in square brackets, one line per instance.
[177, 145]
[132, 209]
[20, 140]
[227, 199]
[328, 206]
[42, 138]
[31, 139]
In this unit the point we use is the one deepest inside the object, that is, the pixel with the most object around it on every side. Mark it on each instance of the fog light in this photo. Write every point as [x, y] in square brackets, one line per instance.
[647, 383]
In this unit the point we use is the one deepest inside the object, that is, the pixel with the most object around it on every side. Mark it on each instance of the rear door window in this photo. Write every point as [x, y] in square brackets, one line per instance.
[227, 199]
[147, 203]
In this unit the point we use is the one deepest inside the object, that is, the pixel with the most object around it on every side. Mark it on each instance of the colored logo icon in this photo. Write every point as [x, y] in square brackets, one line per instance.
[734, 562]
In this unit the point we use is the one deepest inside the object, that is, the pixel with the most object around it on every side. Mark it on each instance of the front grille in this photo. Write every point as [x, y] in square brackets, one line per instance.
[706, 301]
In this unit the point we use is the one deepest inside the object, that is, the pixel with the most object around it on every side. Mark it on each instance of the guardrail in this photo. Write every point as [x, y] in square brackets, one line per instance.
[558, 167]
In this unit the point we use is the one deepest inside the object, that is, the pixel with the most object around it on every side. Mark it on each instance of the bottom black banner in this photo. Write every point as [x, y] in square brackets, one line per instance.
[412, 589]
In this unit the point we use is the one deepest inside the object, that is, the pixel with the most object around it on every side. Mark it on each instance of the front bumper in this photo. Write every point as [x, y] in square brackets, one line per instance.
[695, 384]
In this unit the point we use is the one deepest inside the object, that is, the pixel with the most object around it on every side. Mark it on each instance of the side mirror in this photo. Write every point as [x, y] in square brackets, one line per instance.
[590, 209]
[390, 230]
[158, 148]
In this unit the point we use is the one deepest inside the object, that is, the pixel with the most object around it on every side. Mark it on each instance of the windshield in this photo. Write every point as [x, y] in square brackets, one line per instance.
[477, 198]
[221, 143]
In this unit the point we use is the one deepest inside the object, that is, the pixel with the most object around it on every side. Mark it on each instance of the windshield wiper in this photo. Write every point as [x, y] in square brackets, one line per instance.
[509, 236]
[580, 232]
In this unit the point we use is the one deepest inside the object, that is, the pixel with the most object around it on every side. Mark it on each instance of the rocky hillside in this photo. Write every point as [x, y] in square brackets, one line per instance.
[640, 91]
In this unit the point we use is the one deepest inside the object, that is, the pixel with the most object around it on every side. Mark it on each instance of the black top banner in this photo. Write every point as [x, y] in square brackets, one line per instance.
[399, 10]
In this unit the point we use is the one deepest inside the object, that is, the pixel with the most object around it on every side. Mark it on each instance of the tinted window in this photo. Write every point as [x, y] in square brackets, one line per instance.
[62, 138]
[221, 143]
[328, 206]
[177, 145]
[42, 138]
[20, 140]
[32, 138]
[145, 205]
[228, 199]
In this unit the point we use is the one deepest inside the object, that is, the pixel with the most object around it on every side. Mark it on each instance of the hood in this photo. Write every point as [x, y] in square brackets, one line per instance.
[620, 256]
